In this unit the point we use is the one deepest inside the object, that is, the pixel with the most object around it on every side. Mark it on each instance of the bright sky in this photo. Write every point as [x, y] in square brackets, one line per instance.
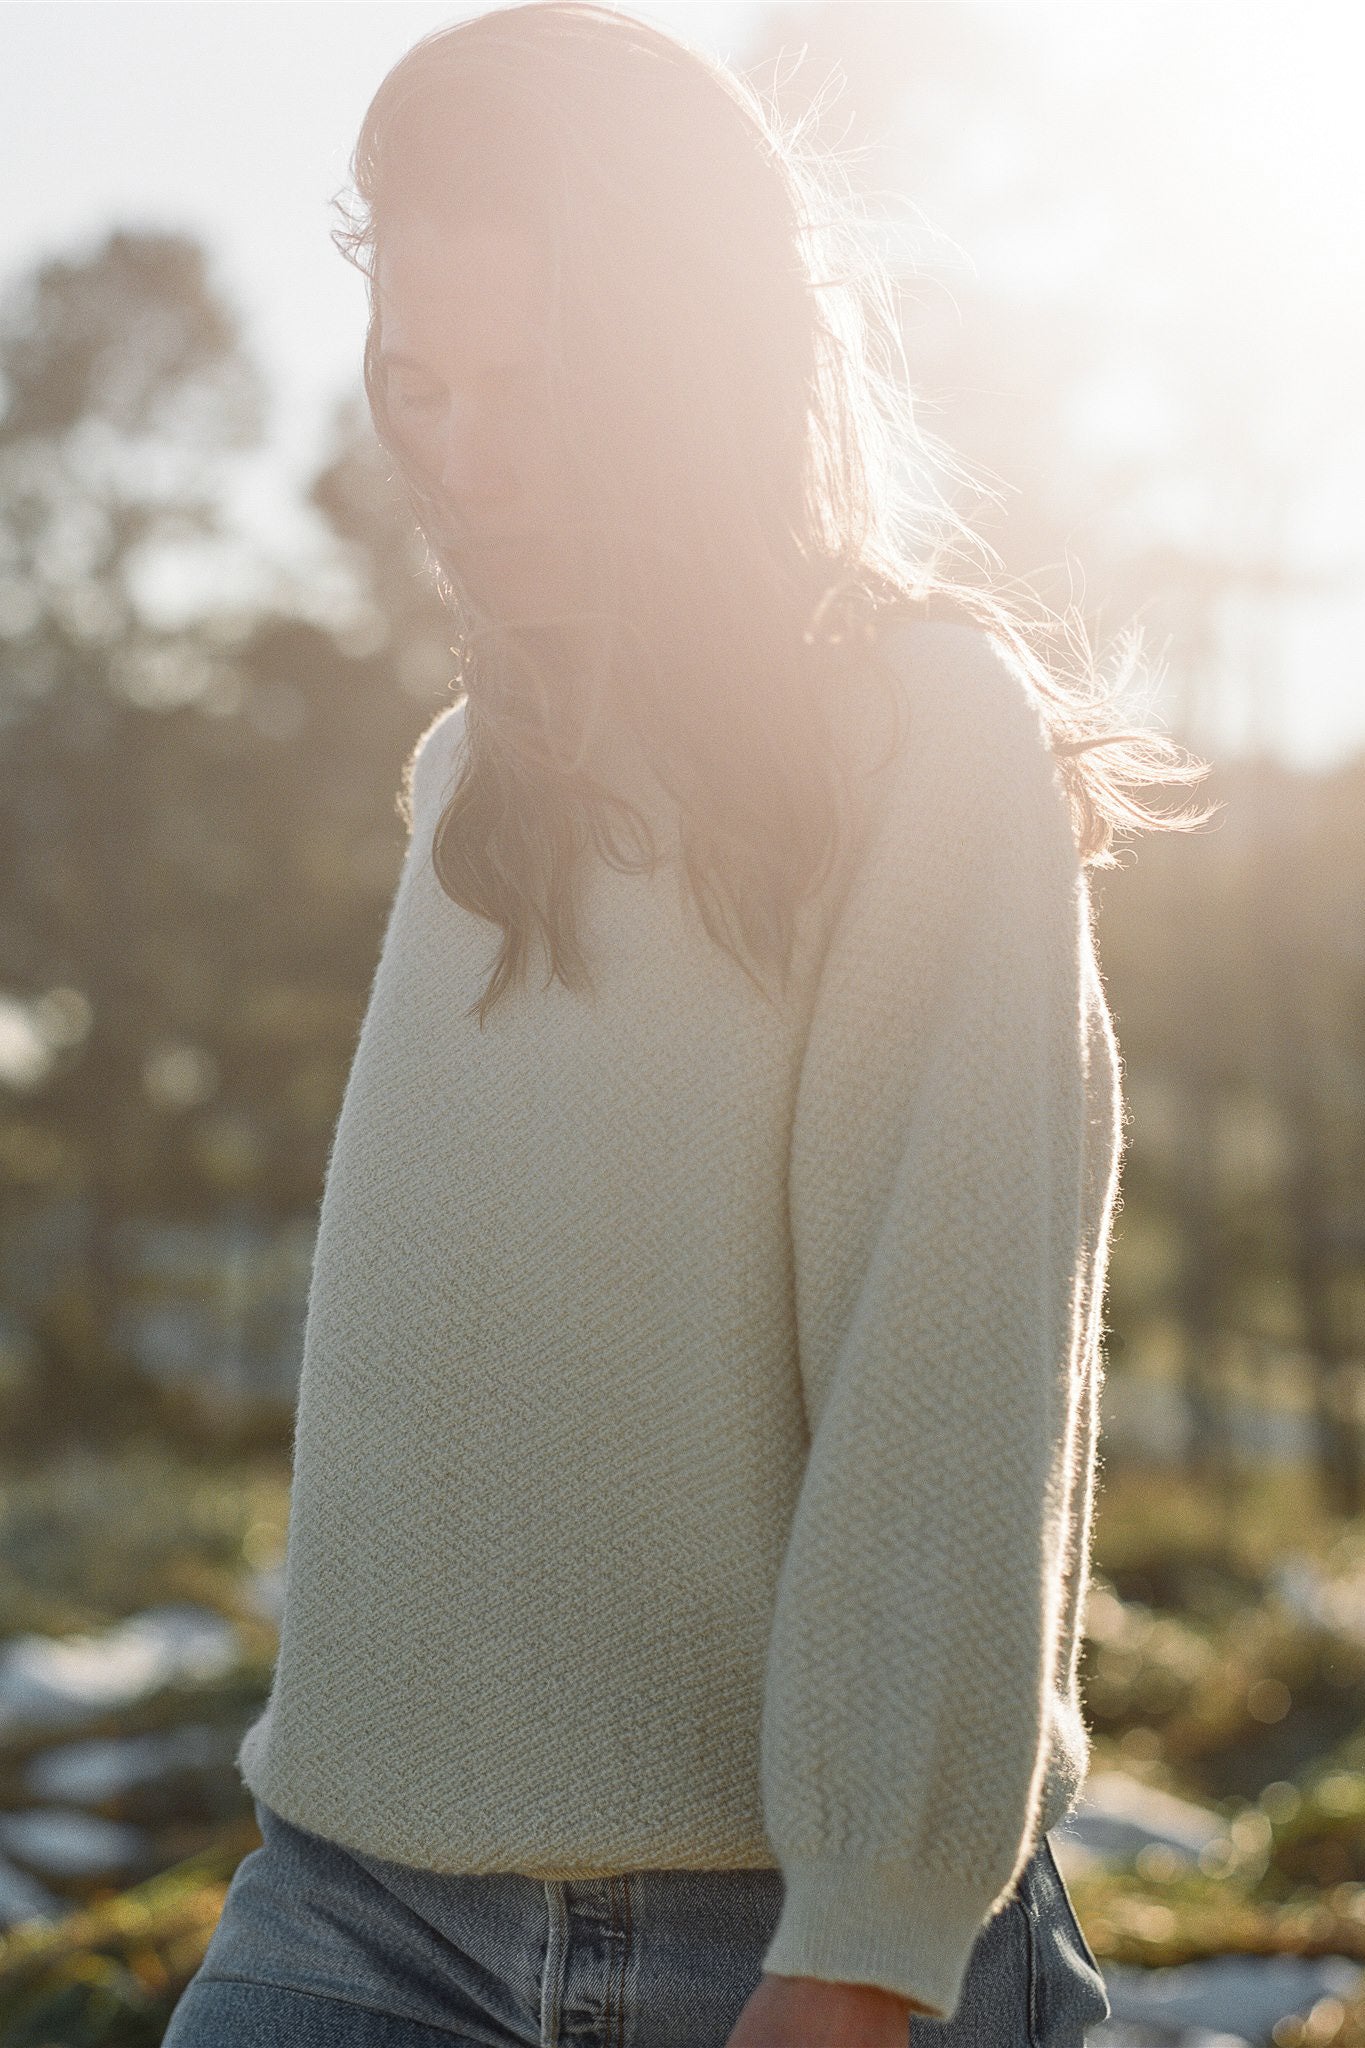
[233, 119]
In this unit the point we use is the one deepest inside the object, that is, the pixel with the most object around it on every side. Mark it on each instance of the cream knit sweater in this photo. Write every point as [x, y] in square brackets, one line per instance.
[695, 1445]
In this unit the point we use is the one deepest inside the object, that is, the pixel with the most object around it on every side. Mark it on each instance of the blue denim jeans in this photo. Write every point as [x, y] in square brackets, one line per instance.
[323, 1947]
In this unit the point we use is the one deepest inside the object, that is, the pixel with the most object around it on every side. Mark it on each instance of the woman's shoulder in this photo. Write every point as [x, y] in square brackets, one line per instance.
[963, 692]
[963, 747]
[942, 658]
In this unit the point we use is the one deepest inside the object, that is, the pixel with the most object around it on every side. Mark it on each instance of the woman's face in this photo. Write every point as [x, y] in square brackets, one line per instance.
[461, 320]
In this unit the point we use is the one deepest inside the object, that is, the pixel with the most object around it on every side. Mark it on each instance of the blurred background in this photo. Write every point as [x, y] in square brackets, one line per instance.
[1128, 259]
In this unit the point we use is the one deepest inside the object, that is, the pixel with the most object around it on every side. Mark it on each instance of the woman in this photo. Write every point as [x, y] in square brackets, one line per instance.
[695, 1447]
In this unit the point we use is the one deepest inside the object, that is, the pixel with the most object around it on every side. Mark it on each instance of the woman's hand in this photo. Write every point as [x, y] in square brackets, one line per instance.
[808, 2012]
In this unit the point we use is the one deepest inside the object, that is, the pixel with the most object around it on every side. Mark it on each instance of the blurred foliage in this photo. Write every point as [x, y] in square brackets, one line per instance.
[111, 1972]
[1203, 1678]
[188, 1529]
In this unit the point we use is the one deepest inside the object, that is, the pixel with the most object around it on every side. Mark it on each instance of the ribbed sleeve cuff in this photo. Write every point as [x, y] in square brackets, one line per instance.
[877, 1923]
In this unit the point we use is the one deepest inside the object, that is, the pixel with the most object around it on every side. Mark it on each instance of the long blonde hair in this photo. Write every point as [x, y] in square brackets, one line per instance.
[724, 340]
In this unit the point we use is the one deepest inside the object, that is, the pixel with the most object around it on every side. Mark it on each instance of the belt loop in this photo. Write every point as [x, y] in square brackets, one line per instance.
[552, 1976]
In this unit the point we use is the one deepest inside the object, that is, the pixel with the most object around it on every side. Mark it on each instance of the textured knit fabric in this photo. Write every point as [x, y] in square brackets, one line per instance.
[695, 1445]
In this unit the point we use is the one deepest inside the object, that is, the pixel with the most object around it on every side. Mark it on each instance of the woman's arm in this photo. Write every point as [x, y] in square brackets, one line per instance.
[953, 1173]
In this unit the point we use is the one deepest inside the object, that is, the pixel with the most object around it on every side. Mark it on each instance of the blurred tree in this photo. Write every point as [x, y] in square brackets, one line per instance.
[123, 384]
[198, 828]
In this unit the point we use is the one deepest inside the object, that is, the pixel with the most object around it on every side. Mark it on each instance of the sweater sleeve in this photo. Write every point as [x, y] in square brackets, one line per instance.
[948, 1234]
